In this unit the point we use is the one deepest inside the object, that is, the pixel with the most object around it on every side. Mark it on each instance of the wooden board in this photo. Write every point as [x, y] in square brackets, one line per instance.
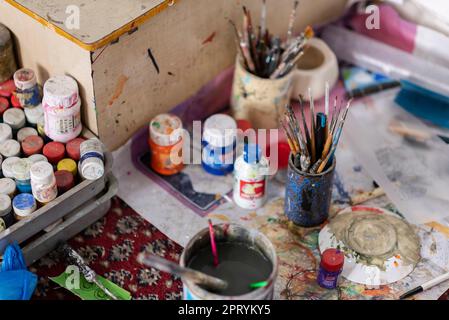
[101, 21]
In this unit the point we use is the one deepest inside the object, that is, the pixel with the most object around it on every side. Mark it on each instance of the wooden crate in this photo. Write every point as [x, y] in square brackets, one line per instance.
[135, 59]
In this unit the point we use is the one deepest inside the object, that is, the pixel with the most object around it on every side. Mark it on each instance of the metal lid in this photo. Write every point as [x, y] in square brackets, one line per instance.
[25, 132]
[220, 130]
[42, 173]
[5, 132]
[15, 117]
[10, 148]
[92, 168]
[166, 129]
[25, 79]
[60, 91]
[7, 166]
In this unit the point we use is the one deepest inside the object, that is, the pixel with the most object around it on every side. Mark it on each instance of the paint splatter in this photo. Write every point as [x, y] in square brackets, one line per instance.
[210, 38]
[153, 59]
[118, 88]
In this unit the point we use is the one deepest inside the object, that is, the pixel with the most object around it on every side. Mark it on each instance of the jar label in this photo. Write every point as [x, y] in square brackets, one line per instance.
[252, 189]
[46, 194]
[63, 124]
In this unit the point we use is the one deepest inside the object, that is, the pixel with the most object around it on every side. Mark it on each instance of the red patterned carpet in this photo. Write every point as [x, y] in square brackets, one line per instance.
[110, 247]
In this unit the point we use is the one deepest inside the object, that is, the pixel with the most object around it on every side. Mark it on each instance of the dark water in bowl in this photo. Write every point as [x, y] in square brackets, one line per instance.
[239, 265]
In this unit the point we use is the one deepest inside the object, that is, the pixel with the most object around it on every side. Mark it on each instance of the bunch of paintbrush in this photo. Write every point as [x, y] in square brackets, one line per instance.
[313, 150]
[266, 55]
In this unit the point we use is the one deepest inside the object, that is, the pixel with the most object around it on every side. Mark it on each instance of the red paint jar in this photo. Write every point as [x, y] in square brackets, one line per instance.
[4, 105]
[166, 144]
[331, 266]
[54, 151]
[32, 145]
[64, 181]
[73, 148]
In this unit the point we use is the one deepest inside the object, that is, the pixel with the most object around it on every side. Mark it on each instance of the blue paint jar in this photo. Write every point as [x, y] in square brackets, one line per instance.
[28, 92]
[219, 144]
[21, 171]
[308, 196]
[331, 266]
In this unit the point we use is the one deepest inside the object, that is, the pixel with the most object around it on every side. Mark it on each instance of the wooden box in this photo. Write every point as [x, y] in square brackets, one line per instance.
[136, 58]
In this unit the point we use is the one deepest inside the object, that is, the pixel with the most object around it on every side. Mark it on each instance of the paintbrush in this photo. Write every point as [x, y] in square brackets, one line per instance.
[212, 242]
[244, 49]
[292, 22]
[312, 128]
[206, 281]
[320, 132]
[263, 19]
[306, 129]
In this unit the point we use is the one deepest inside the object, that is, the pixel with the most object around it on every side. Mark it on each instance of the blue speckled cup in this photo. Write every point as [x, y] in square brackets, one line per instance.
[308, 196]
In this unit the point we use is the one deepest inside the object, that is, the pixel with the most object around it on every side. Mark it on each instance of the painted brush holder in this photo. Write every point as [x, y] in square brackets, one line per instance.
[259, 100]
[230, 233]
[308, 196]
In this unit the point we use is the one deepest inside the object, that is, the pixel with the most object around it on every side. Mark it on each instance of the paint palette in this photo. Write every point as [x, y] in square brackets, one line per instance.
[356, 267]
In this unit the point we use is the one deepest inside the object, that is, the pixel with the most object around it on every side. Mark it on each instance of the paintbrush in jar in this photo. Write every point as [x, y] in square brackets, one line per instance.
[312, 127]
[292, 22]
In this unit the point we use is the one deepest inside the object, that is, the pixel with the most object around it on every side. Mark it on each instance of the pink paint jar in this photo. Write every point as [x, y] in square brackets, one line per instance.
[62, 109]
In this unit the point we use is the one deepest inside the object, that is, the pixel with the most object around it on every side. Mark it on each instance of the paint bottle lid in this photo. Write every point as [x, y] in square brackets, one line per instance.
[34, 114]
[7, 88]
[25, 132]
[7, 166]
[60, 92]
[5, 132]
[37, 157]
[332, 260]
[15, 102]
[220, 130]
[32, 145]
[73, 148]
[166, 129]
[5, 205]
[54, 151]
[25, 79]
[24, 204]
[92, 169]
[92, 145]
[7, 186]
[64, 181]
[21, 169]
[4, 105]
[10, 148]
[14, 117]
[252, 153]
[41, 173]
[68, 165]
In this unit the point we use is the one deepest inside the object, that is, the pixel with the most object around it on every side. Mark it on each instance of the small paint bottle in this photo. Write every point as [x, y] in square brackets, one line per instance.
[73, 148]
[219, 144]
[15, 118]
[6, 214]
[5, 132]
[28, 92]
[32, 145]
[68, 165]
[7, 165]
[91, 163]
[166, 141]
[250, 177]
[24, 205]
[33, 115]
[62, 109]
[10, 148]
[37, 157]
[8, 187]
[4, 105]
[331, 266]
[64, 181]
[25, 132]
[54, 152]
[43, 182]
[21, 171]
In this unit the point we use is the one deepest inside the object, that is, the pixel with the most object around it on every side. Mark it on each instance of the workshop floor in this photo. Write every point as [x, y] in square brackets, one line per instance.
[110, 247]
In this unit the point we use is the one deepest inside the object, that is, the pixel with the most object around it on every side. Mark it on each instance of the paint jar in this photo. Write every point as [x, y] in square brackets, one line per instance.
[166, 140]
[64, 181]
[331, 266]
[91, 164]
[62, 109]
[15, 118]
[259, 100]
[27, 90]
[8, 187]
[5, 132]
[68, 165]
[308, 196]
[21, 171]
[6, 214]
[24, 205]
[4, 105]
[7, 165]
[32, 145]
[54, 152]
[219, 144]
[43, 182]
[25, 132]
[235, 235]
[33, 115]
[7, 58]
[37, 157]
[250, 178]
[10, 148]
[73, 148]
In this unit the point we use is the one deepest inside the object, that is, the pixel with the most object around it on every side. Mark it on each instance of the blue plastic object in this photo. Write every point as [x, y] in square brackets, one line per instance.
[16, 282]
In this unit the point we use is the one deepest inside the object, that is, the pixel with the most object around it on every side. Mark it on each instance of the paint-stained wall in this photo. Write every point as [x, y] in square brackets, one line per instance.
[173, 54]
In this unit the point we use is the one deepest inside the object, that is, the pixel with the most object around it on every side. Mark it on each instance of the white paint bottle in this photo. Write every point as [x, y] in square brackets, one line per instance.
[250, 177]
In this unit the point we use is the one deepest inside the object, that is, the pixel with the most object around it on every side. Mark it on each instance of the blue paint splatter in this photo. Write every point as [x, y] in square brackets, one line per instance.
[343, 195]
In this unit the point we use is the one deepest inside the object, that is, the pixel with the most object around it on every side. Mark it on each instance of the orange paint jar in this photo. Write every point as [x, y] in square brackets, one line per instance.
[165, 143]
